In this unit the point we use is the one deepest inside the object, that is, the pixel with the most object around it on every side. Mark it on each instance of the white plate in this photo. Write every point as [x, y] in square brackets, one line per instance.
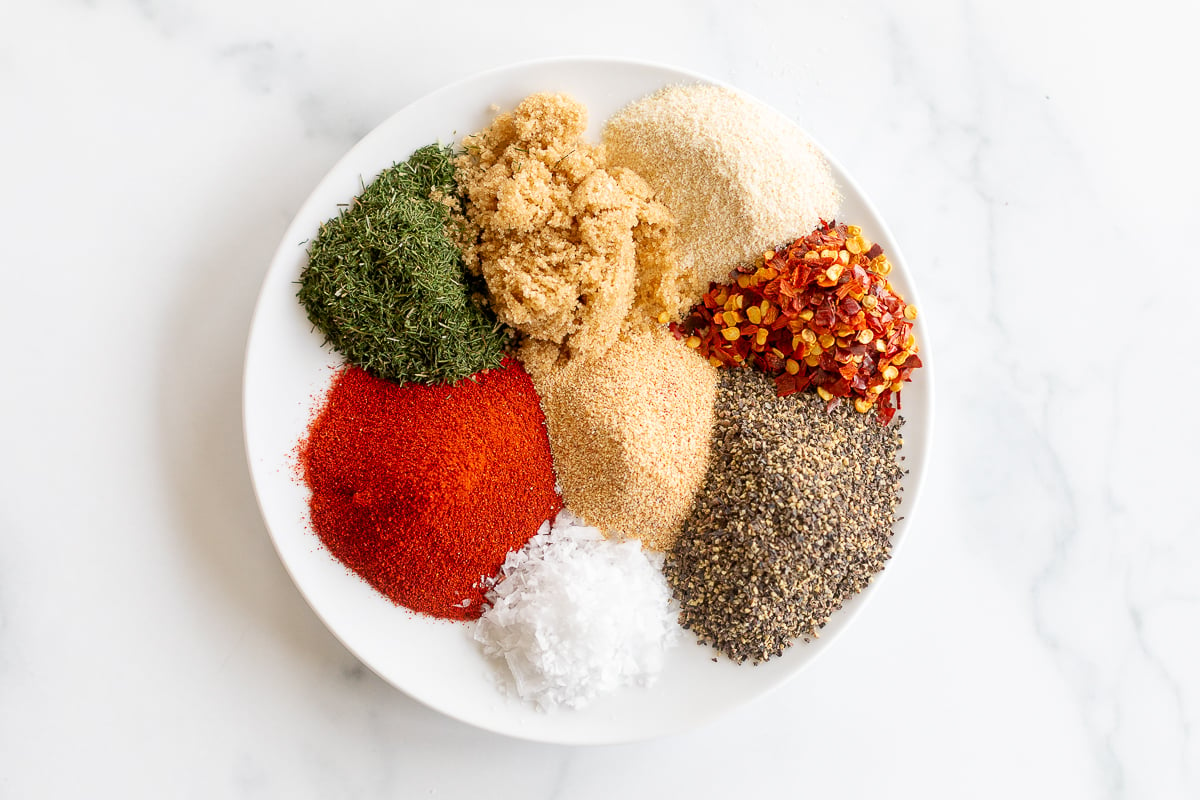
[436, 661]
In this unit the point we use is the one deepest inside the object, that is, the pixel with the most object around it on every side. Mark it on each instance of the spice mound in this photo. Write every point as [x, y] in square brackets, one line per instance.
[423, 490]
[819, 313]
[568, 248]
[385, 281]
[739, 177]
[630, 434]
[795, 517]
[577, 615]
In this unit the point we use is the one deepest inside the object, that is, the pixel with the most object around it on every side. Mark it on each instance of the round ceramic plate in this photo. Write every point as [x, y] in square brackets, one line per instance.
[287, 371]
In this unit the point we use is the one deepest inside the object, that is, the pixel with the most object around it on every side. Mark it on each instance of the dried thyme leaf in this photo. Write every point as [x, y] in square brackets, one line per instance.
[386, 285]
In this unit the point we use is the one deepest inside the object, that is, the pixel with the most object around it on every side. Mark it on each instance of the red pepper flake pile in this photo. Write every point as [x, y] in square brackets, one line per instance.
[424, 490]
[818, 314]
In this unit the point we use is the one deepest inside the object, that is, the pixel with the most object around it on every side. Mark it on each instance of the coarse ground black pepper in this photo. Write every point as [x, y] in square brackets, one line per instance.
[795, 516]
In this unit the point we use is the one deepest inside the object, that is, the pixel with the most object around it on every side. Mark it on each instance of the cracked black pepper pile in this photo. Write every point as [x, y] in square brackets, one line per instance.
[794, 517]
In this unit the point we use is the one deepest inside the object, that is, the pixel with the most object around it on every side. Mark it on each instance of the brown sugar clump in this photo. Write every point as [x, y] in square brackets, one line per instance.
[571, 251]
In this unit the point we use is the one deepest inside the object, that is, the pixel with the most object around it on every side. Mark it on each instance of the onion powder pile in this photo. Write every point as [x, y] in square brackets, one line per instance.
[738, 176]
[575, 615]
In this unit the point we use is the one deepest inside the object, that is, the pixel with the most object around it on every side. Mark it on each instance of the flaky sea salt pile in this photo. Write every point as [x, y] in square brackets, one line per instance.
[575, 615]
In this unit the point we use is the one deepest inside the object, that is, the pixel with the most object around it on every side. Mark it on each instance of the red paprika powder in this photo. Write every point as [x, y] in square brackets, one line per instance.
[423, 490]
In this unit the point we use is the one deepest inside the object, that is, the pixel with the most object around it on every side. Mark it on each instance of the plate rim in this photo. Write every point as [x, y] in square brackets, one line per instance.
[914, 486]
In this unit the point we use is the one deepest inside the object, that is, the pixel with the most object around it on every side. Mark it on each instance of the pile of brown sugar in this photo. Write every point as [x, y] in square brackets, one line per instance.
[571, 251]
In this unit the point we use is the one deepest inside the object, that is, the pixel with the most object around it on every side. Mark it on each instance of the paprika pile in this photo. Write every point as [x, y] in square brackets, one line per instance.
[423, 490]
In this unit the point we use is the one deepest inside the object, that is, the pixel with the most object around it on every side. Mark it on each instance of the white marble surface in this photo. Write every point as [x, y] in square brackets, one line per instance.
[1038, 636]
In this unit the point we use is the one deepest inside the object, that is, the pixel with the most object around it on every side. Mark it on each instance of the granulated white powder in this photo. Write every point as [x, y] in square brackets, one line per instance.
[739, 177]
[576, 615]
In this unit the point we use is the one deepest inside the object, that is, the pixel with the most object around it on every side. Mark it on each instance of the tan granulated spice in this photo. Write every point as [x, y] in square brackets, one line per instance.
[571, 251]
[739, 177]
[630, 433]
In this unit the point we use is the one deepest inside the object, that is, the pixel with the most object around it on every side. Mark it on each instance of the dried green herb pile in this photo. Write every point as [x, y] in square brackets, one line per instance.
[386, 285]
[794, 518]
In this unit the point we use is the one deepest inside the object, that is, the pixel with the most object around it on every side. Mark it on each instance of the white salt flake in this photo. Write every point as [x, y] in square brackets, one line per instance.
[575, 615]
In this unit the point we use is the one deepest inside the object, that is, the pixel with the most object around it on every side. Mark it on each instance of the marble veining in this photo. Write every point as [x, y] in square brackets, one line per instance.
[1035, 638]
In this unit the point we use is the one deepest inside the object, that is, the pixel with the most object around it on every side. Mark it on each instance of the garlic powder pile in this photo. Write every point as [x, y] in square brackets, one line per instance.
[576, 615]
[630, 432]
[738, 176]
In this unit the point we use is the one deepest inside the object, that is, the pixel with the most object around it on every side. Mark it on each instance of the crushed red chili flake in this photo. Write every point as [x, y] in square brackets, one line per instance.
[819, 314]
